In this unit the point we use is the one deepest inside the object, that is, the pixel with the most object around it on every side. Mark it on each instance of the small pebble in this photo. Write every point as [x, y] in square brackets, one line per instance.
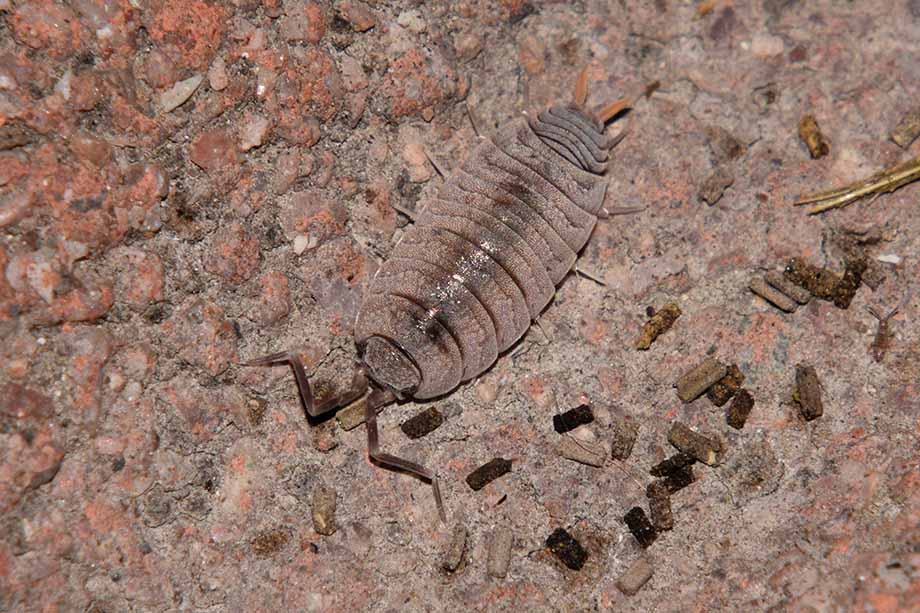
[907, 130]
[500, 552]
[488, 473]
[573, 418]
[811, 135]
[592, 454]
[740, 409]
[772, 295]
[323, 510]
[352, 416]
[640, 526]
[179, 93]
[424, 423]
[623, 438]
[808, 392]
[698, 379]
[726, 387]
[453, 555]
[703, 448]
[659, 505]
[777, 280]
[714, 186]
[671, 465]
[659, 323]
[567, 549]
[633, 579]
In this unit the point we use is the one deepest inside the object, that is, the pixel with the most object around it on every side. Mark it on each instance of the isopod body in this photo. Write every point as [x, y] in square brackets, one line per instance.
[485, 255]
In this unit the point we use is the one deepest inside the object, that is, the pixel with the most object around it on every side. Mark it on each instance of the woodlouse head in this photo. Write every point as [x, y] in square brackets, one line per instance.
[576, 135]
[390, 366]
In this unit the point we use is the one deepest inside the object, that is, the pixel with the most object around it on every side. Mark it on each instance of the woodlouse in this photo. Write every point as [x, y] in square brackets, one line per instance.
[481, 262]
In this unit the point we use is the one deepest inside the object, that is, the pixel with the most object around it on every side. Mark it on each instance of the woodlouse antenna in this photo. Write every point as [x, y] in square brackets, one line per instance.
[580, 95]
[607, 113]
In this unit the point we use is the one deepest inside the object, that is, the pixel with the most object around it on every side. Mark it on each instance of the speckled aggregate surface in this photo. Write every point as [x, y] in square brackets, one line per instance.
[188, 185]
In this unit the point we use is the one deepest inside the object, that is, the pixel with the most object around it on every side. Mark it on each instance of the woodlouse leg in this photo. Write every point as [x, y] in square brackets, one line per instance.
[310, 405]
[386, 459]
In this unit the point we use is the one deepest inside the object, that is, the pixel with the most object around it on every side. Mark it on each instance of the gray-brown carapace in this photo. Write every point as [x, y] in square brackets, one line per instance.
[481, 262]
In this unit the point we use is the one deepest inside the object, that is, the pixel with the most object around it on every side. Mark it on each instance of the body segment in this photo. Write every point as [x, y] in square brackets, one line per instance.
[485, 256]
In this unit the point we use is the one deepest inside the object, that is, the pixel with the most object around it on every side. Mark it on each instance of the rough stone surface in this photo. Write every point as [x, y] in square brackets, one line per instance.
[140, 463]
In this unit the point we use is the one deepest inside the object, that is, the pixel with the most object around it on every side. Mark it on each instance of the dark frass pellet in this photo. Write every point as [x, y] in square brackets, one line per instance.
[640, 526]
[487, 473]
[623, 438]
[808, 392]
[701, 447]
[567, 549]
[698, 379]
[671, 465]
[726, 387]
[659, 505]
[679, 479]
[573, 418]
[740, 409]
[424, 423]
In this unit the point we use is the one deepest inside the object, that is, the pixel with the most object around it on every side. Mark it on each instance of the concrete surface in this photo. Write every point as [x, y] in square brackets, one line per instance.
[187, 185]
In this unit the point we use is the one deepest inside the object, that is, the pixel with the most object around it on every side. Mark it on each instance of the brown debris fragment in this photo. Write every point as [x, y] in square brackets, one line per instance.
[423, 423]
[660, 322]
[640, 526]
[269, 542]
[907, 130]
[633, 579]
[323, 510]
[500, 552]
[453, 555]
[583, 452]
[807, 392]
[772, 295]
[623, 439]
[573, 418]
[849, 284]
[659, 505]
[726, 387]
[811, 135]
[488, 473]
[777, 280]
[740, 409]
[698, 379]
[825, 284]
[694, 444]
[715, 184]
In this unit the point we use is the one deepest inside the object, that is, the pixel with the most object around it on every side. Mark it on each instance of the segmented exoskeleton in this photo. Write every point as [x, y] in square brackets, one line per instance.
[480, 263]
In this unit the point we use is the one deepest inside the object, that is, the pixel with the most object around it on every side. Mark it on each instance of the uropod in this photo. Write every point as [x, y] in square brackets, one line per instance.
[477, 267]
